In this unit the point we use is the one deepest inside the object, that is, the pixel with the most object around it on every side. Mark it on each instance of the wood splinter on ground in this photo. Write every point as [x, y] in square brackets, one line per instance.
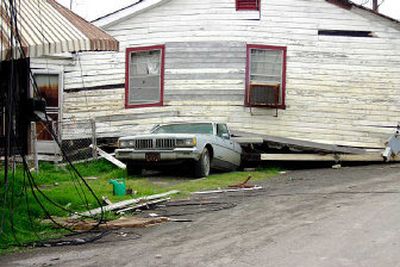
[144, 205]
[230, 190]
[243, 184]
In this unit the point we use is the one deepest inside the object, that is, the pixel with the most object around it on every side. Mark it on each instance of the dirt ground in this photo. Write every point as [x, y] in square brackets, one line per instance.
[320, 217]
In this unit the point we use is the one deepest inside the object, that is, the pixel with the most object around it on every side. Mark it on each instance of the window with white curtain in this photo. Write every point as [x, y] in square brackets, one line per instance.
[267, 68]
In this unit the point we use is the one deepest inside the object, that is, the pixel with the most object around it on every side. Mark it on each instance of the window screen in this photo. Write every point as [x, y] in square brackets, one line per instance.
[144, 77]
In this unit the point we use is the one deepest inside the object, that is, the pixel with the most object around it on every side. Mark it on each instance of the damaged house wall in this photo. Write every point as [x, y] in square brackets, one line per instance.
[338, 88]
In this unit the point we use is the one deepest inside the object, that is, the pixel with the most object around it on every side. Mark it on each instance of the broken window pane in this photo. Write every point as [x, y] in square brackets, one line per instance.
[145, 77]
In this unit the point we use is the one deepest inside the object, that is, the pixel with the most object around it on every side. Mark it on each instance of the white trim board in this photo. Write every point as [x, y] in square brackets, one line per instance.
[125, 13]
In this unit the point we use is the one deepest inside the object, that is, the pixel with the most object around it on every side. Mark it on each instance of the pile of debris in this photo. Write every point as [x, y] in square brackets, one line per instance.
[82, 222]
[128, 205]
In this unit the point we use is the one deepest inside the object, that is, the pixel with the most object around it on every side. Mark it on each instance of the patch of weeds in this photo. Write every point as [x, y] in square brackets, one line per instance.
[61, 187]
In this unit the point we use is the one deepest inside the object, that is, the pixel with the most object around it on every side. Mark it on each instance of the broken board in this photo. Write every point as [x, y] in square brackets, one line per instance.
[368, 157]
[293, 144]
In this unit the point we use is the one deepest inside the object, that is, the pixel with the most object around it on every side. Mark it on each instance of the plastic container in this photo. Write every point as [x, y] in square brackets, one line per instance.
[119, 187]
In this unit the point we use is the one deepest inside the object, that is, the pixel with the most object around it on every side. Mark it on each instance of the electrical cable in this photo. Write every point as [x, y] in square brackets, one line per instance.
[8, 127]
[10, 140]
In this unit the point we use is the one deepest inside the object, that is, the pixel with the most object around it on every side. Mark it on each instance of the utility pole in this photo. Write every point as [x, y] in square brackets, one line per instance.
[374, 5]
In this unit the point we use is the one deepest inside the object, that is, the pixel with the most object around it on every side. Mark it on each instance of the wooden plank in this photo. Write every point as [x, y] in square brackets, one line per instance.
[143, 205]
[248, 140]
[123, 204]
[300, 144]
[128, 222]
[228, 190]
[110, 158]
[368, 157]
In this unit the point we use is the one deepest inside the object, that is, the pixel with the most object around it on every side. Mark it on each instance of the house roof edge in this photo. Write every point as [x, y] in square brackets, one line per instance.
[126, 12]
[347, 4]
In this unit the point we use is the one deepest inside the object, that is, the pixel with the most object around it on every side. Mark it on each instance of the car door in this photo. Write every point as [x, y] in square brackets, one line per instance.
[229, 154]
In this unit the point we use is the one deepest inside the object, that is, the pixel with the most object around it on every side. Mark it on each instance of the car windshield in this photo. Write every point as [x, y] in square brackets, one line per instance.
[199, 128]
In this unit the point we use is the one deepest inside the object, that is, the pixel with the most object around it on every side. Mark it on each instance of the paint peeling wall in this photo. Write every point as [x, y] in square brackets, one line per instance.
[337, 87]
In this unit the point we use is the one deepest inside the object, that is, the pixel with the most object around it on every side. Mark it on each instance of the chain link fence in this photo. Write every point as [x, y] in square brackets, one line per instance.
[77, 141]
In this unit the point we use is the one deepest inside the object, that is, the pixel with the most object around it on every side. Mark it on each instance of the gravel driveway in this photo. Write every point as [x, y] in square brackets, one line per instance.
[321, 217]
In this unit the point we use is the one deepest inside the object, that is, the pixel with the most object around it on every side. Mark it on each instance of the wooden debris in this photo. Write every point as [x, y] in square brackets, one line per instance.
[123, 222]
[299, 145]
[228, 190]
[243, 184]
[91, 178]
[106, 200]
[372, 157]
[110, 158]
[124, 204]
[337, 166]
[143, 205]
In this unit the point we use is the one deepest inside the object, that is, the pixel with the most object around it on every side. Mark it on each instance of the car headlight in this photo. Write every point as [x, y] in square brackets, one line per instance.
[186, 142]
[125, 143]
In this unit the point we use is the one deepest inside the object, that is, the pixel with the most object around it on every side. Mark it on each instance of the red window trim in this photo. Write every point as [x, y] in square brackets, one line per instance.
[129, 50]
[247, 82]
[255, 8]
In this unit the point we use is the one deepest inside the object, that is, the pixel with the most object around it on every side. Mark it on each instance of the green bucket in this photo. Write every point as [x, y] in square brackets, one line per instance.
[119, 187]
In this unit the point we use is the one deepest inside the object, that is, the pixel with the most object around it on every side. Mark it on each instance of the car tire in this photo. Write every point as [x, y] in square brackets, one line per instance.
[202, 167]
[133, 169]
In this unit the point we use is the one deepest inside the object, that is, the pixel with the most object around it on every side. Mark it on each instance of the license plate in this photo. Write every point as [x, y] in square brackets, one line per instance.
[153, 157]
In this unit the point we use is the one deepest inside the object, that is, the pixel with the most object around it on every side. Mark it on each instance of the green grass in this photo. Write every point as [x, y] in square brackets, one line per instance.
[57, 184]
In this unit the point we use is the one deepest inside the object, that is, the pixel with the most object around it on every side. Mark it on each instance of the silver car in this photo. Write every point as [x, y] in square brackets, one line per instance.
[203, 145]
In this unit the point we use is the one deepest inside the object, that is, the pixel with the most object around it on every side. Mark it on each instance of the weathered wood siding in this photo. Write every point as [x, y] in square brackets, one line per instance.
[337, 87]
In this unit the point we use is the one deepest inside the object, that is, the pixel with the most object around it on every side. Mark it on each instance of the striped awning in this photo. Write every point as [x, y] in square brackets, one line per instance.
[44, 27]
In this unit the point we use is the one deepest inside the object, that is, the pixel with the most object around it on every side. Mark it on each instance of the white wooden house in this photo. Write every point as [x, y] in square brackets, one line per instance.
[330, 67]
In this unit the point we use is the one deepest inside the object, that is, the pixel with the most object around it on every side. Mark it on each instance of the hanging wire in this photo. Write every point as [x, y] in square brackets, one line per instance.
[11, 142]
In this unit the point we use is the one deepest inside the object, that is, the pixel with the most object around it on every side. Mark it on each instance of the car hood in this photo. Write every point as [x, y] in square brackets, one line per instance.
[163, 135]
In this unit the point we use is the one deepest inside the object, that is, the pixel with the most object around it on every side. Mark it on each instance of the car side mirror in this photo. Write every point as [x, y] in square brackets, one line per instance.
[226, 136]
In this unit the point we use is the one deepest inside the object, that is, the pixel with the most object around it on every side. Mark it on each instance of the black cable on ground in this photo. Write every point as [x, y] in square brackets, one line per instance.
[71, 242]
[196, 208]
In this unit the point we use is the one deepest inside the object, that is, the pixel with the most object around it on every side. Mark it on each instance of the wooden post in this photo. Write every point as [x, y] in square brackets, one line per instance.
[54, 126]
[34, 151]
[94, 139]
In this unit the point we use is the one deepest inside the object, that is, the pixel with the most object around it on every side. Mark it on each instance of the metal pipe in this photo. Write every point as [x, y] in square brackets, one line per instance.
[375, 5]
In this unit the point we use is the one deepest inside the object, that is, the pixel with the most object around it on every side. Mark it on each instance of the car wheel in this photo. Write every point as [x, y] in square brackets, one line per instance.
[133, 169]
[203, 165]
